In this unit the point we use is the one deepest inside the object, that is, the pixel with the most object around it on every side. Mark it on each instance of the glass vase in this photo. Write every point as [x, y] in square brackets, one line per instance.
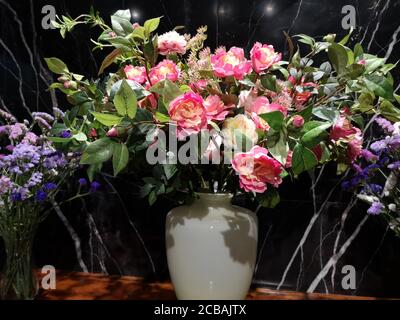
[18, 279]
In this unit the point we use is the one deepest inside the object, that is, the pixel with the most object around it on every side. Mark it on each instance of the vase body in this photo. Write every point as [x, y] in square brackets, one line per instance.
[18, 280]
[211, 249]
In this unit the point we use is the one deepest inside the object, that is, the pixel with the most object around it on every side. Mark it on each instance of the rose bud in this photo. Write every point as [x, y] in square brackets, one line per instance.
[113, 132]
[70, 85]
[330, 37]
[298, 121]
[62, 79]
[93, 133]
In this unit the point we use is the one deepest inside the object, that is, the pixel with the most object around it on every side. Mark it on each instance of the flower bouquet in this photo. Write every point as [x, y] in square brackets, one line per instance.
[32, 172]
[186, 118]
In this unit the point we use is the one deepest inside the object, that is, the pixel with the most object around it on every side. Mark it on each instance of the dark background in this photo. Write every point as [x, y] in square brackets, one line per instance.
[117, 231]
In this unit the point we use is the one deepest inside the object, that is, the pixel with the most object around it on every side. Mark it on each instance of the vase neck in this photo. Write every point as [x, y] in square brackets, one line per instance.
[215, 198]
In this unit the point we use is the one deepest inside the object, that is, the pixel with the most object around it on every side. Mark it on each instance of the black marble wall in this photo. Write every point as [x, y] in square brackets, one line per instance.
[304, 242]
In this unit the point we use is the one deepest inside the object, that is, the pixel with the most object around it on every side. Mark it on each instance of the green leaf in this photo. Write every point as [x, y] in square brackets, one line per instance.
[80, 136]
[268, 81]
[108, 60]
[379, 85]
[161, 117]
[269, 199]
[120, 157]
[170, 92]
[59, 139]
[326, 113]
[280, 149]
[358, 50]
[120, 22]
[325, 154]
[274, 119]
[151, 25]
[56, 65]
[108, 120]
[170, 170]
[311, 138]
[338, 57]
[346, 38]
[125, 101]
[389, 111]
[98, 151]
[373, 62]
[303, 159]
[139, 90]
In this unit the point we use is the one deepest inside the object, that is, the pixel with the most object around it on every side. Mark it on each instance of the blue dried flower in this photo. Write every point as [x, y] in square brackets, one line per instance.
[82, 182]
[16, 196]
[65, 134]
[50, 186]
[94, 186]
[40, 196]
[376, 208]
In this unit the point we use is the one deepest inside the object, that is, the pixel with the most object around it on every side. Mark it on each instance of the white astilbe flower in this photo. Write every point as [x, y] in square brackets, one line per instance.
[390, 184]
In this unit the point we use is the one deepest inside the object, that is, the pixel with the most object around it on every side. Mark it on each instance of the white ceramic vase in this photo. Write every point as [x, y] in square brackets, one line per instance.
[211, 248]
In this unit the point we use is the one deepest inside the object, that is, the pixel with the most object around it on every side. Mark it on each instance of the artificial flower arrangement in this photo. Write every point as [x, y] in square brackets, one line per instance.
[376, 180]
[253, 119]
[32, 174]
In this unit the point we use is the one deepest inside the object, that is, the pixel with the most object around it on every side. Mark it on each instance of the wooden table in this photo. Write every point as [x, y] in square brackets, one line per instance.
[91, 286]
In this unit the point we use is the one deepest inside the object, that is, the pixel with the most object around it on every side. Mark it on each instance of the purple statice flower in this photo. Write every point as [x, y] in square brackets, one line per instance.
[19, 194]
[7, 116]
[58, 113]
[40, 196]
[82, 182]
[378, 146]
[94, 186]
[30, 138]
[385, 124]
[34, 180]
[43, 124]
[65, 134]
[368, 155]
[375, 208]
[17, 131]
[10, 148]
[4, 129]
[5, 184]
[394, 165]
[23, 158]
[43, 115]
[49, 186]
[393, 142]
[54, 160]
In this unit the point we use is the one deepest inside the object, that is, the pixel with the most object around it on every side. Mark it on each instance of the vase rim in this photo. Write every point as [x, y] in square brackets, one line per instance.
[215, 196]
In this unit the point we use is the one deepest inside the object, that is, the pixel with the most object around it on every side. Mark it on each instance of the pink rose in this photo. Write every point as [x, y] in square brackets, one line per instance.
[137, 74]
[344, 130]
[256, 169]
[261, 105]
[165, 69]
[199, 85]
[288, 162]
[189, 114]
[215, 108]
[263, 56]
[171, 42]
[297, 121]
[231, 63]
